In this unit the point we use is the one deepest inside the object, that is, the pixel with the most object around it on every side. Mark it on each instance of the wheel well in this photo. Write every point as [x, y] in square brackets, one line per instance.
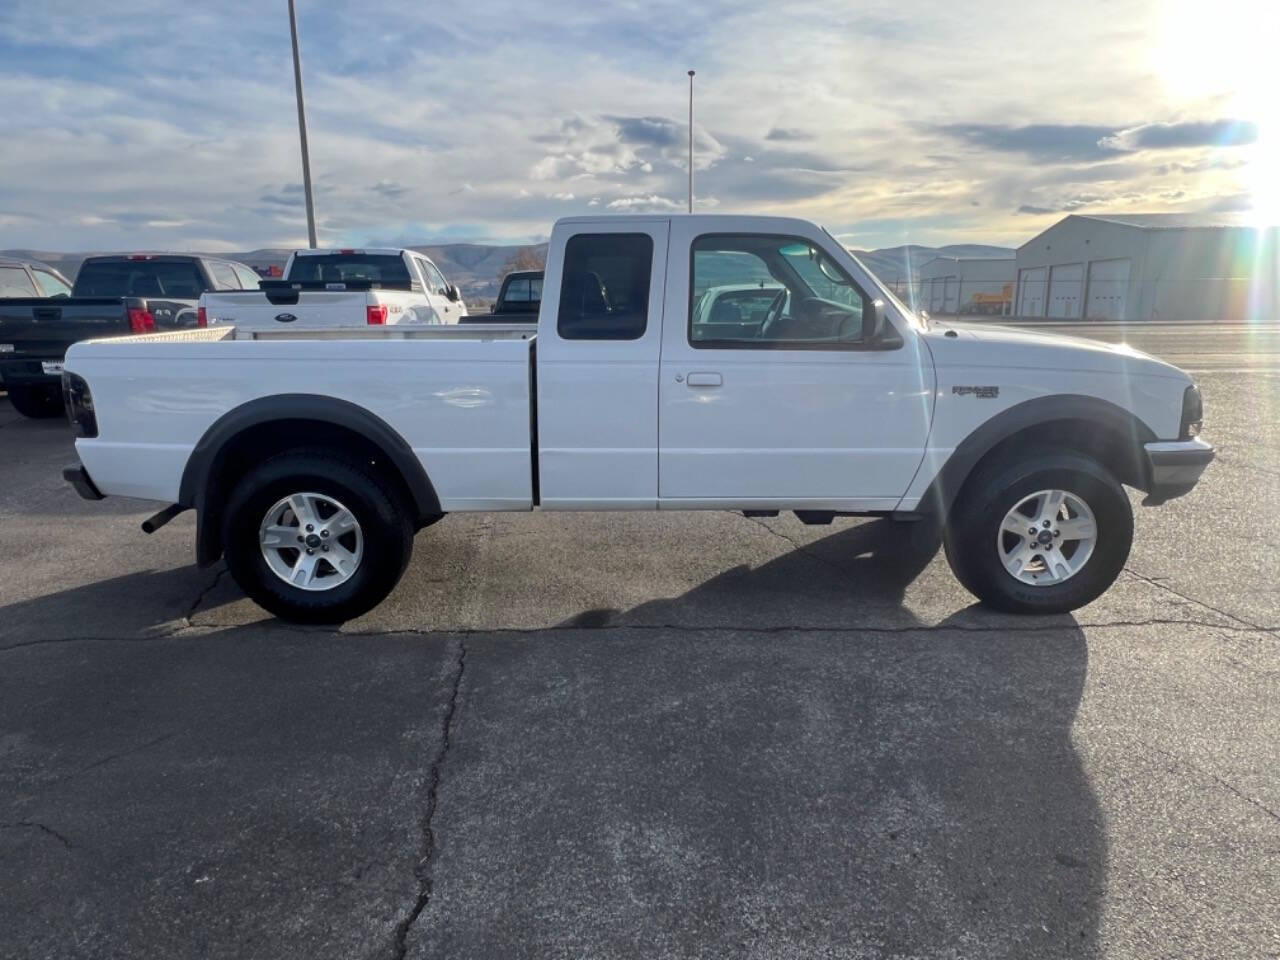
[1118, 451]
[260, 441]
[1098, 430]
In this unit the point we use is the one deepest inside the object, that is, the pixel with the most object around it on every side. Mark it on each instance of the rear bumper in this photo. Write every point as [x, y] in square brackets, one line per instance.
[1175, 467]
[25, 372]
[78, 477]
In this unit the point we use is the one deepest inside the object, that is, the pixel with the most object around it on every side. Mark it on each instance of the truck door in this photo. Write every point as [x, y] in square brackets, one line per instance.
[600, 330]
[774, 400]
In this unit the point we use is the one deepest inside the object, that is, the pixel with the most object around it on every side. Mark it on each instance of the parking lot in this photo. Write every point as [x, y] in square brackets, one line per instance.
[650, 735]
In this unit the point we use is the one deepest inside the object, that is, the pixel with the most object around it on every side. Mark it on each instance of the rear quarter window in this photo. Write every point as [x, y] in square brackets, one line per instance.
[604, 293]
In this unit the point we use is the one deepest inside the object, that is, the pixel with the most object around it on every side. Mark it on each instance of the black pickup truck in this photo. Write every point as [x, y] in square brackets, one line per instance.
[518, 300]
[112, 296]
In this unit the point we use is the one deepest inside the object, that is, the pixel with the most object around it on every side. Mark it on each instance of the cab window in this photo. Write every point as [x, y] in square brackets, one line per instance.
[771, 292]
[52, 285]
[604, 292]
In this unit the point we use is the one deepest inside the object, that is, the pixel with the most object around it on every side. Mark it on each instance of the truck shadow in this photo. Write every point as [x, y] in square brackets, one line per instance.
[910, 791]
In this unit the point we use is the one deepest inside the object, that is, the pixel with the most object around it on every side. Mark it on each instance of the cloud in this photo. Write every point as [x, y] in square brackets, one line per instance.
[1041, 140]
[648, 131]
[386, 188]
[787, 134]
[1174, 136]
[650, 204]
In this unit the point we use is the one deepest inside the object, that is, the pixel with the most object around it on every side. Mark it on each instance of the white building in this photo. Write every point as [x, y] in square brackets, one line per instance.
[965, 285]
[1198, 267]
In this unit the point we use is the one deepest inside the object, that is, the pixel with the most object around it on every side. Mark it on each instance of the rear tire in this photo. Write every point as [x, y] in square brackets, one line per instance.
[38, 401]
[1053, 577]
[381, 538]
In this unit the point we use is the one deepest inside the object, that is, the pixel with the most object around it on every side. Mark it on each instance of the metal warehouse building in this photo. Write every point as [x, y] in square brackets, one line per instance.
[966, 285]
[1193, 267]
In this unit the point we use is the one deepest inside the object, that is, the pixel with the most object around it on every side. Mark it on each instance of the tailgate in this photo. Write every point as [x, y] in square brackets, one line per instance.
[252, 309]
[42, 328]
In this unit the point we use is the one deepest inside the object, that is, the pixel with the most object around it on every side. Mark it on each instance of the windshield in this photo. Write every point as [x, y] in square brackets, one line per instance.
[339, 267]
[139, 278]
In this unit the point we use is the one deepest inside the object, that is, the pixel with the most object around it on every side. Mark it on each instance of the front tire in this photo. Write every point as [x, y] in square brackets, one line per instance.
[38, 401]
[1043, 532]
[314, 536]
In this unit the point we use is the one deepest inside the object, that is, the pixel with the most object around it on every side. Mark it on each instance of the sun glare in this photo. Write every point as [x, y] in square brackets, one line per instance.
[1223, 62]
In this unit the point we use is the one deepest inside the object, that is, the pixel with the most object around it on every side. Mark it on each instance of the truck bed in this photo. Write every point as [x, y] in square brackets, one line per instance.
[460, 397]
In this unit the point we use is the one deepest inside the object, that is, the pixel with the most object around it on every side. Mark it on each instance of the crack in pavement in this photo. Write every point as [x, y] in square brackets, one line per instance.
[423, 870]
[1151, 581]
[119, 755]
[195, 605]
[204, 629]
[36, 825]
[802, 547]
[1225, 784]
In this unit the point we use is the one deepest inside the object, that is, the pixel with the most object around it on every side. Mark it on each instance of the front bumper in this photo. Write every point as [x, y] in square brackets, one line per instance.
[78, 477]
[1174, 467]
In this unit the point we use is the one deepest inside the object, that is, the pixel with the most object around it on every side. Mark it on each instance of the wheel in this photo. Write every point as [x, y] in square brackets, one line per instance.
[37, 400]
[315, 536]
[1043, 532]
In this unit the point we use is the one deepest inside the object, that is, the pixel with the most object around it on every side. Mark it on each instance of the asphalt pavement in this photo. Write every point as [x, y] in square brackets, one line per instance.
[674, 735]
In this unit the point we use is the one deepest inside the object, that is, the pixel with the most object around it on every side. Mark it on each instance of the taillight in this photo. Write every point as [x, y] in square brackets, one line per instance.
[79, 404]
[202, 318]
[378, 314]
[141, 321]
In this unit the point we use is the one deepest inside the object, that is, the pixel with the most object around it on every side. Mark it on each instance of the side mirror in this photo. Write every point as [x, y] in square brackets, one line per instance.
[873, 321]
[452, 293]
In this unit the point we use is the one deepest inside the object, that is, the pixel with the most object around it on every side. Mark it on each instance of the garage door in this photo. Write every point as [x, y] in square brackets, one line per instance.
[1031, 290]
[951, 296]
[1108, 285]
[935, 295]
[1065, 283]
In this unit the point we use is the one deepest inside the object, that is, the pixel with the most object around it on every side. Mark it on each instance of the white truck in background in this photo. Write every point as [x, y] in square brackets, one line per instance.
[311, 457]
[341, 288]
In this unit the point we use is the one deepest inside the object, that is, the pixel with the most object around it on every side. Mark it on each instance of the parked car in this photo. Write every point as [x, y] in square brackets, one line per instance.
[312, 460]
[343, 288]
[519, 300]
[112, 296]
[31, 278]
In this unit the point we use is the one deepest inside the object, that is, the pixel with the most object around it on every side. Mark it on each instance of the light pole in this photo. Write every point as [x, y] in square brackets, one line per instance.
[302, 129]
[690, 139]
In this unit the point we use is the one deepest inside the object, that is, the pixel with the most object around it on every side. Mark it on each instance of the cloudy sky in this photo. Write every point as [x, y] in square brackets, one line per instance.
[159, 123]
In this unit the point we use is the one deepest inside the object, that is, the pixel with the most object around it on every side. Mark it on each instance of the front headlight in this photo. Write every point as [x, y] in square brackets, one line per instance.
[1192, 413]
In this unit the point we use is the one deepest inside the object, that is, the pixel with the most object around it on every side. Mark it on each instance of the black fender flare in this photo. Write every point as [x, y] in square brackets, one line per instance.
[1109, 417]
[200, 474]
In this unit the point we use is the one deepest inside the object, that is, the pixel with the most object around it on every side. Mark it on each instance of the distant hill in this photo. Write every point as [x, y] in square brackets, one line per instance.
[477, 268]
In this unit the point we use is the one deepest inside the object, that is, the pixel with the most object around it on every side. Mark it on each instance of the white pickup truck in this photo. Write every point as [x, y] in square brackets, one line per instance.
[311, 458]
[341, 288]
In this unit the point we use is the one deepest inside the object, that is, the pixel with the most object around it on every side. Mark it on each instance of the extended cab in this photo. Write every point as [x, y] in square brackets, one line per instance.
[311, 460]
[113, 295]
[342, 288]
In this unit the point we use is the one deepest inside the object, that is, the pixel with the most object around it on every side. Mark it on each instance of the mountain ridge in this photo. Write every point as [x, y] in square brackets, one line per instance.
[477, 268]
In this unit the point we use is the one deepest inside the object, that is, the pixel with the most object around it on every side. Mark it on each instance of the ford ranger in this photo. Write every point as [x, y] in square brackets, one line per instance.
[311, 458]
[342, 288]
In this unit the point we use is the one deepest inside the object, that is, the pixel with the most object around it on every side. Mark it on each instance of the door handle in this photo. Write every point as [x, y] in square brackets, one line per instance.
[704, 380]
